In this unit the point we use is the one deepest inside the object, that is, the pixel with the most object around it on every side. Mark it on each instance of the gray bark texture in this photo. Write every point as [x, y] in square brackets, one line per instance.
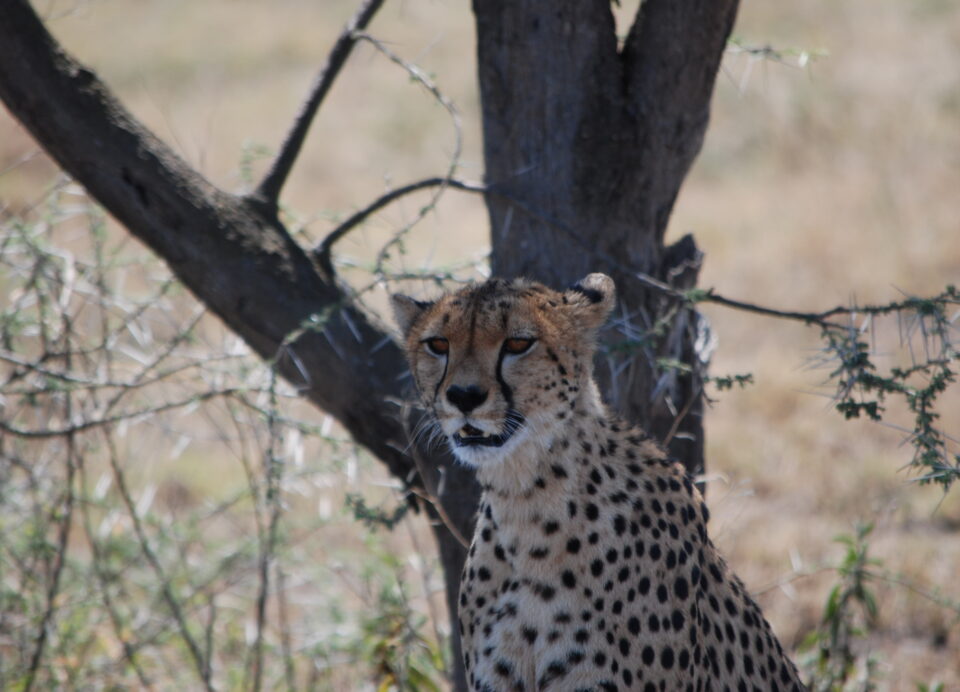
[586, 145]
[598, 138]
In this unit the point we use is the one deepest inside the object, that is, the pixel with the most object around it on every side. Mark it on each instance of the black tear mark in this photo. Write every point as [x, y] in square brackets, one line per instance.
[137, 186]
[592, 294]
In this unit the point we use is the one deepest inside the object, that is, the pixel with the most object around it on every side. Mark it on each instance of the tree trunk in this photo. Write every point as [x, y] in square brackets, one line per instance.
[596, 141]
[589, 143]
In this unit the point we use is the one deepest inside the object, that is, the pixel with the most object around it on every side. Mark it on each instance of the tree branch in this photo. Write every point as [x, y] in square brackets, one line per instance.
[268, 191]
[950, 296]
[243, 265]
[322, 252]
[234, 256]
[671, 57]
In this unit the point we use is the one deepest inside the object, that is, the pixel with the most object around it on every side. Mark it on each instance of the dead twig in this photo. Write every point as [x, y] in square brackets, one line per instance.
[322, 251]
[166, 590]
[268, 191]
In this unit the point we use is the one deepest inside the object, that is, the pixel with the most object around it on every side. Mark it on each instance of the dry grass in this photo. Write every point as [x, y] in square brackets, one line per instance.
[819, 185]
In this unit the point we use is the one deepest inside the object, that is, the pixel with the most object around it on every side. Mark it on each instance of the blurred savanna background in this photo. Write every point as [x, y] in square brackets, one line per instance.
[830, 175]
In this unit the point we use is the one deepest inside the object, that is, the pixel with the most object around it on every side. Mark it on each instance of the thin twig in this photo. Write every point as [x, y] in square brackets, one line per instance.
[819, 318]
[273, 468]
[678, 419]
[97, 561]
[427, 493]
[91, 423]
[165, 589]
[63, 539]
[268, 191]
[322, 252]
[286, 645]
[421, 78]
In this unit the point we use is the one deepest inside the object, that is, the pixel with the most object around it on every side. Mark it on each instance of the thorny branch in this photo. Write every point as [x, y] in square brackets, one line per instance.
[166, 589]
[66, 524]
[322, 251]
[268, 191]
[74, 350]
[273, 469]
[421, 78]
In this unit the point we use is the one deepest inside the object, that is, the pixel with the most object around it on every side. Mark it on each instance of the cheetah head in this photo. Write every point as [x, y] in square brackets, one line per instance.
[505, 364]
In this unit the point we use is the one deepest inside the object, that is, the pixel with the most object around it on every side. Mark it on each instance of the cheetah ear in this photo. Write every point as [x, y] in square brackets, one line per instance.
[593, 298]
[407, 310]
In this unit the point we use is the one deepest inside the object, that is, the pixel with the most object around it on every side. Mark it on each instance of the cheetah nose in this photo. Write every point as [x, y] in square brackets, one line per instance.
[466, 398]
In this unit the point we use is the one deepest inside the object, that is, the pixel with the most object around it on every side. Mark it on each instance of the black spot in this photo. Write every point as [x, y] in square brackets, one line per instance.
[568, 579]
[551, 527]
[619, 524]
[573, 546]
[592, 512]
[633, 624]
[596, 567]
[666, 657]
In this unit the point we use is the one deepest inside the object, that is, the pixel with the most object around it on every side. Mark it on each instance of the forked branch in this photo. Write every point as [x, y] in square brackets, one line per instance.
[322, 251]
[268, 191]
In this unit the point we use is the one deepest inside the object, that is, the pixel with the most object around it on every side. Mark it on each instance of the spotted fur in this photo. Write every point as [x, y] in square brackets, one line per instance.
[591, 568]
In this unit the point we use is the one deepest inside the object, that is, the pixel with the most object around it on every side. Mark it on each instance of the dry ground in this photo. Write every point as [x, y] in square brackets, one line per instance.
[817, 185]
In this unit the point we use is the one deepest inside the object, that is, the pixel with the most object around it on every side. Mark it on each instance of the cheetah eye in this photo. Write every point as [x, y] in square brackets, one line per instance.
[516, 346]
[437, 345]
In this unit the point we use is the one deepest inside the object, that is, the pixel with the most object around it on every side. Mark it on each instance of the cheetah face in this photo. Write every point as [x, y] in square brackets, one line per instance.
[502, 364]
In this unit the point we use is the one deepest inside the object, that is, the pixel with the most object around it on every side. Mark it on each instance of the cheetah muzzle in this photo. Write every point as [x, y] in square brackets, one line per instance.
[590, 567]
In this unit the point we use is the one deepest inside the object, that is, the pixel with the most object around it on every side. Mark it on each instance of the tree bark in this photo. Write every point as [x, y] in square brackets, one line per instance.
[599, 139]
[594, 139]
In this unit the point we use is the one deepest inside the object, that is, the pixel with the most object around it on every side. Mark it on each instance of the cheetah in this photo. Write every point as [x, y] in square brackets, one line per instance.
[590, 567]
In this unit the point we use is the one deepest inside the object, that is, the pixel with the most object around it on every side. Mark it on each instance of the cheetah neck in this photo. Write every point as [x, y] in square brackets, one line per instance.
[537, 479]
